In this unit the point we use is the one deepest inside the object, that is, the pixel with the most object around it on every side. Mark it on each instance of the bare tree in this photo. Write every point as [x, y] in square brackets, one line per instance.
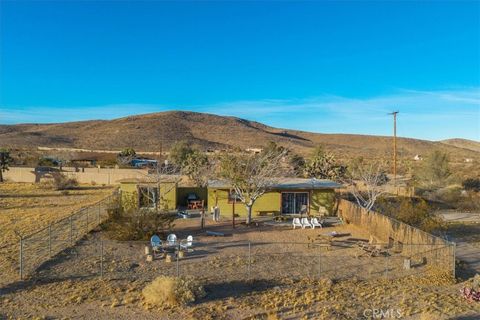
[165, 175]
[250, 176]
[366, 181]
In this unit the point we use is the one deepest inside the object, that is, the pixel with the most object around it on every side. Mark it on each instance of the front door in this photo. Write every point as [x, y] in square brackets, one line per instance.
[294, 202]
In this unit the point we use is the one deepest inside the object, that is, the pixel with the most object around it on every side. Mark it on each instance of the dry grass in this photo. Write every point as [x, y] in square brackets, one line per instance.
[170, 292]
[28, 207]
[323, 298]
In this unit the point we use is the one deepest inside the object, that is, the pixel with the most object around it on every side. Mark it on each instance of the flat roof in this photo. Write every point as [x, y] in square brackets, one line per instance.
[169, 179]
[288, 183]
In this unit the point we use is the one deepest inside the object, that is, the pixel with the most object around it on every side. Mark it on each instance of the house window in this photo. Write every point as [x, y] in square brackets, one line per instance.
[233, 197]
[148, 197]
[294, 202]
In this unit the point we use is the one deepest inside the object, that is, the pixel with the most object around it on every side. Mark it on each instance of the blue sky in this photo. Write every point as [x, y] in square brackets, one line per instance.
[316, 66]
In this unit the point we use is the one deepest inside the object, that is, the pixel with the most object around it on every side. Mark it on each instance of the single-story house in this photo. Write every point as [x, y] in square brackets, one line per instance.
[148, 194]
[286, 196]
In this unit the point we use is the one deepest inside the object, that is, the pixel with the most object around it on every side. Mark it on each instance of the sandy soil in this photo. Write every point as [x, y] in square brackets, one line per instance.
[285, 285]
[25, 208]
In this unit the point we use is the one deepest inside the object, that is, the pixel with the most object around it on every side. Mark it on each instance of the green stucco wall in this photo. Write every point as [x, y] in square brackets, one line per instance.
[270, 202]
[168, 195]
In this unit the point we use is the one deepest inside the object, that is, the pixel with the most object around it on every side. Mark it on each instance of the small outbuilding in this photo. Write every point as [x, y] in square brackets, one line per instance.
[148, 194]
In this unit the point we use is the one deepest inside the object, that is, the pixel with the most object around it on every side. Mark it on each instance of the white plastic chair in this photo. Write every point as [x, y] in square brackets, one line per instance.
[315, 223]
[172, 239]
[296, 223]
[186, 244]
[306, 223]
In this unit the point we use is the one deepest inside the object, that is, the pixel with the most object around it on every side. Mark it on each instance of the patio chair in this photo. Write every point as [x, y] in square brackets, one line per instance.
[306, 223]
[296, 223]
[172, 239]
[315, 223]
[156, 244]
[186, 244]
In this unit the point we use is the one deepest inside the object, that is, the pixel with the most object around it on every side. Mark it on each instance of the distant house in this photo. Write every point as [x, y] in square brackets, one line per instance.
[143, 163]
[417, 157]
[468, 160]
[254, 150]
[83, 163]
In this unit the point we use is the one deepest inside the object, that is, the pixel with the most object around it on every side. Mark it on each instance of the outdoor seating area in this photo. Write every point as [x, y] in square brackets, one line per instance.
[169, 248]
[305, 223]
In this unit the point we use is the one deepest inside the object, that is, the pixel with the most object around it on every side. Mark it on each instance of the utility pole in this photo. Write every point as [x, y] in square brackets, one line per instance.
[394, 147]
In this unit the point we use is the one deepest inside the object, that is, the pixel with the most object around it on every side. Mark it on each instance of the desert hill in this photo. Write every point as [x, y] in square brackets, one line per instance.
[158, 131]
[463, 143]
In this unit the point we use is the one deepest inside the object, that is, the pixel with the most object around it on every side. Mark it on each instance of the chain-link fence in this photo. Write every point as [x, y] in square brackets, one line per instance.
[40, 247]
[242, 260]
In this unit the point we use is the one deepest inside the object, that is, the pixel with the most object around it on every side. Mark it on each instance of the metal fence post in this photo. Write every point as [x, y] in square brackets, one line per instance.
[71, 230]
[178, 266]
[454, 247]
[319, 261]
[21, 258]
[249, 260]
[50, 240]
[386, 267]
[101, 259]
[87, 222]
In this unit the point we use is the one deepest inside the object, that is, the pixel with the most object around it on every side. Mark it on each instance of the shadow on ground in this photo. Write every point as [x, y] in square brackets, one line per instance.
[222, 290]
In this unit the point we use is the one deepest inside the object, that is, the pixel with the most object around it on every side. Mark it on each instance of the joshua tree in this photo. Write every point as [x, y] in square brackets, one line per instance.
[250, 176]
[180, 152]
[5, 161]
[323, 165]
[126, 156]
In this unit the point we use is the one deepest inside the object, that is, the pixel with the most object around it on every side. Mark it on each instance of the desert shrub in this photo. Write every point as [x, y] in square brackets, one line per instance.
[131, 223]
[59, 181]
[412, 211]
[172, 291]
[470, 201]
[450, 195]
[471, 184]
[140, 224]
[62, 182]
[434, 171]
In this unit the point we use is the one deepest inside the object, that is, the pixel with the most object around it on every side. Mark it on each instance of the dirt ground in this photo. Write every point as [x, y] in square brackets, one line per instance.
[278, 277]
[26, 207]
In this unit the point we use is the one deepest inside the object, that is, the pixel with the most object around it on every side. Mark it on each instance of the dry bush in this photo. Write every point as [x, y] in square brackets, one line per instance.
[131, 223]
[471, 184]
[60, 181]
[470, 201]
[430, 316]
[171, 291]
[412, 211]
